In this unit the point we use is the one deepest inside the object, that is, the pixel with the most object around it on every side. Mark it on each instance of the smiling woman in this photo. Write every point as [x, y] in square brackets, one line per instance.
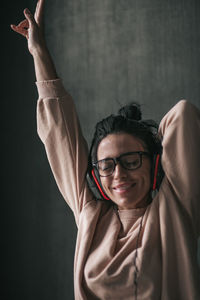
[114, 137]
[126, 188]
[130, 244]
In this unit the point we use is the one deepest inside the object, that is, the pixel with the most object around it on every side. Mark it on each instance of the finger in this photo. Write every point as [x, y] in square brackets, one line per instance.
[39, 12]
[24, 23]
[19, 30]
[13, 26]
[29, 17]
[36, 11]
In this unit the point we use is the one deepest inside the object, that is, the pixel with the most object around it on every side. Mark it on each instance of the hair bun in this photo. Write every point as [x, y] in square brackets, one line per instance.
[131, 111]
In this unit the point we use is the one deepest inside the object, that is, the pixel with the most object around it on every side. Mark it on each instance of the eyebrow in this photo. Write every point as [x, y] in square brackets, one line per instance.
[125, 153]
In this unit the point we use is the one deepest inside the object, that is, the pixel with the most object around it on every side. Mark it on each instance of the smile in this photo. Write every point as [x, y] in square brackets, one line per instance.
[123, 188]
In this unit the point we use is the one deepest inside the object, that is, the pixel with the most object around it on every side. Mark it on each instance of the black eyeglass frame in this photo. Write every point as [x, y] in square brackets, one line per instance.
[118, 159]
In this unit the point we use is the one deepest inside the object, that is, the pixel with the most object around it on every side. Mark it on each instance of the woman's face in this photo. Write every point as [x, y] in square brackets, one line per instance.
[126, 188]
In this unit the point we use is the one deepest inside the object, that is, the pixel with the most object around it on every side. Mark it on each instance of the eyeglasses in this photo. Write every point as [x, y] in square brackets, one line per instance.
[129, 161]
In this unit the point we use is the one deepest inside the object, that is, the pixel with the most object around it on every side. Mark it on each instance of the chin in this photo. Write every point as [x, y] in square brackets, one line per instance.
[131, 203]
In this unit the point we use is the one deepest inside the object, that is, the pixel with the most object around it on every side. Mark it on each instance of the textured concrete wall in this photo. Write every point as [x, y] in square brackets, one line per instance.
[112, 52]
[108, 53]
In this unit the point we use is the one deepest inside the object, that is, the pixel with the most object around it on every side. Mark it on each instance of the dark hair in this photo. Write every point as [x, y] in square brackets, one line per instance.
[128, 120]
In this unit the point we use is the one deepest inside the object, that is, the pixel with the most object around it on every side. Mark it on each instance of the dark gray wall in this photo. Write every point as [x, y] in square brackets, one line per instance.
[108, 53]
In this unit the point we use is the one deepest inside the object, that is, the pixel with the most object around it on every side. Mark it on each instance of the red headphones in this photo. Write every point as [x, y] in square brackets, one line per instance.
[156, 172]
[100, 189]
[94, 181]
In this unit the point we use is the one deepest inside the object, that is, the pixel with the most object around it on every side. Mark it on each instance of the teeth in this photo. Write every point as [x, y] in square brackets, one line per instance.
[122, 188]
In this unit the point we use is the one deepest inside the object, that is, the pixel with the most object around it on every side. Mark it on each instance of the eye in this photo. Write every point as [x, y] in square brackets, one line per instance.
[131, 161]
[105, 165]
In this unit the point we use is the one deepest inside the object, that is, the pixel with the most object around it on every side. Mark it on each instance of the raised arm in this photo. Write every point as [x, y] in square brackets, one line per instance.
[57, 121]
[33, 29]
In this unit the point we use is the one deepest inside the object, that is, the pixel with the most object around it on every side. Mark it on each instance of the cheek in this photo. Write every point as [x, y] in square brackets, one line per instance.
[145, 177]
[106, 183]
[148, 179]
[146, 170]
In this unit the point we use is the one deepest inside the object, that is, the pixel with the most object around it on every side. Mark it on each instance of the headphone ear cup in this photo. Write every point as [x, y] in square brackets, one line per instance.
[92, 185]
[157, 172]
[95, 186]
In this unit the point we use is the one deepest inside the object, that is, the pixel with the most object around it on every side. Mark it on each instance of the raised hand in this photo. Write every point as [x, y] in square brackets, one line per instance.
[32, 28]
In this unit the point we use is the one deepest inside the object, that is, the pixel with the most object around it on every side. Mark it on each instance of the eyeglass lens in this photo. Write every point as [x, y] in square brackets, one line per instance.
[127, 161]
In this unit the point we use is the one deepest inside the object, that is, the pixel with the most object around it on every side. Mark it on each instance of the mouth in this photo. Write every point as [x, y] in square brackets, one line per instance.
[123, 188]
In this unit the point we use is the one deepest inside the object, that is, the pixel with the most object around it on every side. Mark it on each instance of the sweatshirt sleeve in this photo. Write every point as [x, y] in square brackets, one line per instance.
[58, 128]
[180, 132]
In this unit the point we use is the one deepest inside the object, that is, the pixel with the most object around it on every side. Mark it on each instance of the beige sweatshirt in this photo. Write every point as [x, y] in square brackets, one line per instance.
[104, 265]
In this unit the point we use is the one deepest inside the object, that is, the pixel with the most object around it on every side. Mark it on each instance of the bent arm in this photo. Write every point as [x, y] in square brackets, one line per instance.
[180, 130]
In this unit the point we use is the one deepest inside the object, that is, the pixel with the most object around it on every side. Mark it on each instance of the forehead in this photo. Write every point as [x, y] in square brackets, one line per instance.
[116, 144]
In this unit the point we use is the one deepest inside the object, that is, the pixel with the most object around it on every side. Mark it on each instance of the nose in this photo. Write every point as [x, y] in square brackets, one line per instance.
[119, 172]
